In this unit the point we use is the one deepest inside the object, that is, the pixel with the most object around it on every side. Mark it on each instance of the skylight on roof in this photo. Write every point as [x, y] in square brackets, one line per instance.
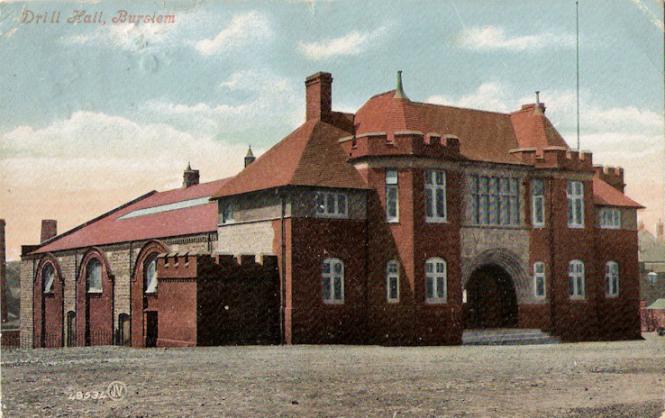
[165, 208]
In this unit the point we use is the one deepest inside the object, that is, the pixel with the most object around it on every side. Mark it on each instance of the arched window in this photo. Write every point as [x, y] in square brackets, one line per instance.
[48, 274]
[576, 279]
[539, 279]
[332, 277]
[94, 276]
[612, 279]
[392, 281]
[436, 280]
[150, 274]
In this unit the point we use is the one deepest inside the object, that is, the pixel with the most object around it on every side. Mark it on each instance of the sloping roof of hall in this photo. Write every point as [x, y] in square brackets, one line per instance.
[484, 136]
[606, 195]
[177, 212]
[309, 156]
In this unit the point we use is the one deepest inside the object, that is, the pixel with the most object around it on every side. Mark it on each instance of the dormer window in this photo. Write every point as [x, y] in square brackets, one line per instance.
[331, 204]
[226, 214]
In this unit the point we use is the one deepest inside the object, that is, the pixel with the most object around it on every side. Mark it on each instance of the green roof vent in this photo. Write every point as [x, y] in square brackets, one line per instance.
[399, 91]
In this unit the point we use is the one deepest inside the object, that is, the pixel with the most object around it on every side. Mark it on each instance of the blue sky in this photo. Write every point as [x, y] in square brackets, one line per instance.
[93, 115]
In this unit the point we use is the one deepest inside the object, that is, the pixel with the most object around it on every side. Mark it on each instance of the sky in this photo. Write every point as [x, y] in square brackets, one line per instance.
[93, 115]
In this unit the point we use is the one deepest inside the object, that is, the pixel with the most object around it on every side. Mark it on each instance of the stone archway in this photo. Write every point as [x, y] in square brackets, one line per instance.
[496, 279]
[491, 301]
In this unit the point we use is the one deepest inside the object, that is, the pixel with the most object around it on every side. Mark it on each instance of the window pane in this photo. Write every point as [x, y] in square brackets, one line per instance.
[338, 288]
[393, 287]
[580, 285]
[428, 177]
[439, 203]
[430, 287]
[540, 286]
[391, 202]
[570, 210]
[578, 212]
[440, 268]
[391, 177]
[428, 194]
[439, 286]
[571, 286]
[338, 268]
[330, 203]
[325, 267]
[49, 275]
[341, 203]
[429, 267]
[325, 281]
[539, 210]
[439, 178]
[320, 203]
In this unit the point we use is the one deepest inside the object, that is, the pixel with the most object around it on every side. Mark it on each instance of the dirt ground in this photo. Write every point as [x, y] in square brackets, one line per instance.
[586, 379]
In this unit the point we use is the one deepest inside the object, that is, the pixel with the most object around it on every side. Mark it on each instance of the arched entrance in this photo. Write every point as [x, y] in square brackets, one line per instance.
[491, 300]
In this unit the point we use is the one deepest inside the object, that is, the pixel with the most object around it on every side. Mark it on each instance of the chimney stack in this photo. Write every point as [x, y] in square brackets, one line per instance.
[190, 177]
[3, 272]
[249, 158]
[660, 231]
[318, 96]
[49, 229]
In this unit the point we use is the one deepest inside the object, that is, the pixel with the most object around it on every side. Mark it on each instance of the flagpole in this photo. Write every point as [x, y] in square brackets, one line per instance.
[577, 44]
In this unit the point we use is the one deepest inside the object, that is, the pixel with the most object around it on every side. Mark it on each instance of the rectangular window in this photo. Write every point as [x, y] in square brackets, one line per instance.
[610, 218]
[538, 203]
[227, 213]
[435, 192]
[392, 282]
[436, 281]
[495, 200]
[575, 193]
[392, 197]
[539, 279]
[576, 279]
[332, 280]
[612, 279]
[331, 204]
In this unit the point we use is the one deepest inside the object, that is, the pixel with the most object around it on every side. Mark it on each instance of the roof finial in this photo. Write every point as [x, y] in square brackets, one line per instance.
[189, 166]
[399, 91]
[539, 109]
[249, 158]
[537, 97]
[249, 152]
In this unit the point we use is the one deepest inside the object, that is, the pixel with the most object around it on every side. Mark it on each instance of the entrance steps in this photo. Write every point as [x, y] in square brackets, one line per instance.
[507, 336]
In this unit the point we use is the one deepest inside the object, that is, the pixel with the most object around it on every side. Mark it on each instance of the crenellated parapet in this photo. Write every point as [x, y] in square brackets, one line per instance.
[198, 266]
[415, 143]
[610, 175]
[555, 157]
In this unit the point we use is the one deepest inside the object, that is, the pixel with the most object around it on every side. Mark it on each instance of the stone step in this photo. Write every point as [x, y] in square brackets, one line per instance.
[507, 337]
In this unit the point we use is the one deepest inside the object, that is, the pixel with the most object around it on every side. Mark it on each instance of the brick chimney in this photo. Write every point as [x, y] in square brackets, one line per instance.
[318, 96]
[660, 231]
[49, 229]
[3, 271]
[190, 177]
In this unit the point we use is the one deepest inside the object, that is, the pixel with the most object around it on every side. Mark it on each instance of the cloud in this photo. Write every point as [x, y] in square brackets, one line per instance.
[90, 162]
[494, 38]
[132, 37]
[255, 103]
[489, 96]
[244, 29]
[353, 43]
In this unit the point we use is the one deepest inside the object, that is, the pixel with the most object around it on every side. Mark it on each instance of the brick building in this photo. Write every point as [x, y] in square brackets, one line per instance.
[404, 223]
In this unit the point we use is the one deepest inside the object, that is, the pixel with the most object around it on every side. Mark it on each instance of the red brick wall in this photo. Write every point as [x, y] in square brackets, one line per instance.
[48, 308]
[177, 313]
[313, 321]
[94, 318]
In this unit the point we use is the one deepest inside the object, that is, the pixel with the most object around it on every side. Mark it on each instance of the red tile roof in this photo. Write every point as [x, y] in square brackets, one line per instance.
[484, 136]
[109, 228]
[606, 195]
[309, 156]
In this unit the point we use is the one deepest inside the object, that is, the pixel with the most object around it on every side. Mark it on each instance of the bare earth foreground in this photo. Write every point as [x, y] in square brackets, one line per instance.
[589, 379]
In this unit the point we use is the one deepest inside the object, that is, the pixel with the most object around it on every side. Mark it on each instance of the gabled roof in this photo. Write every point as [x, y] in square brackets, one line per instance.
[606, 195]
[309, 156]
[483, 135]
[171, 213]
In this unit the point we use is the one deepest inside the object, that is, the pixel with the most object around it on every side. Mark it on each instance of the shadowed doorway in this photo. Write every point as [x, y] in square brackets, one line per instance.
[490, 299]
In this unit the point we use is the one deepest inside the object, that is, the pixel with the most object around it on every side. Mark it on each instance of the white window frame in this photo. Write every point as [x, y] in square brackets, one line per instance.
[227, 213]
[48, 281]
[435, 185]
[88, 272]
[324, 200]
[611, 279]
[495, 201]
[434, 272]
[577, 279]
[539, 274]
[575, 197]
[328, 276]
[151, 287]
[392, 189]
[652, 277]
[610, 218]
[392, 273]
[537, 200]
